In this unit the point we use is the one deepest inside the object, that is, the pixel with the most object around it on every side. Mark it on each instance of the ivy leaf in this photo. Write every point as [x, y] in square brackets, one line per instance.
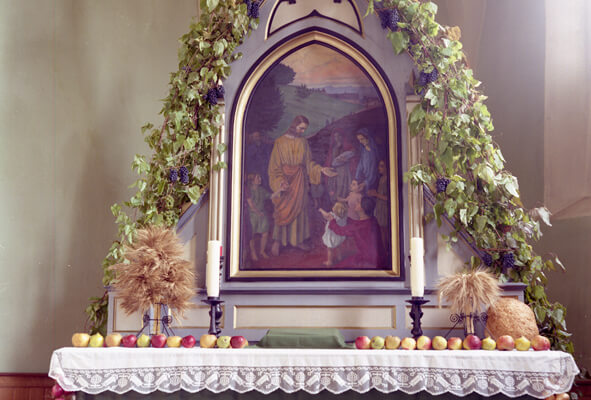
[194, 194]
[511, 185]
[211, 4]
[450, 207]
[480, 223]
[218, 48]
[399, 41]
[540, 313]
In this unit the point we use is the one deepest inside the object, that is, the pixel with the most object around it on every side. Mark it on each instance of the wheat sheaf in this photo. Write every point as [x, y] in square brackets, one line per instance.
[154, 272]
[468, 292]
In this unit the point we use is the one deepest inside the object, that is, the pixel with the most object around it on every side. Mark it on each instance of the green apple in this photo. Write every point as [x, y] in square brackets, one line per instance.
[439, 343]
[96, 340]
[488, 343]
[143, 341]
[522, 344]
[223, 342]
[377, 343]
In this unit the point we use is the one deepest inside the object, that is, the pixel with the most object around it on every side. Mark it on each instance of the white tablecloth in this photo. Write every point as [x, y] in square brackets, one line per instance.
[459, 372]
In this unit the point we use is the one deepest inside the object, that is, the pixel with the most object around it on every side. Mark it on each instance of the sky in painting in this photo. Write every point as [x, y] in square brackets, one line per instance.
[317, 66]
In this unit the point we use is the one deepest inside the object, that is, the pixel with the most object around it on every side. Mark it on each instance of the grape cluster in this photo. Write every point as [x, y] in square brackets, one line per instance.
[389, 19]
[441, 184]
[433, 75]
[252, 8]
[428, 77]
[173, 175]
[504, 228]
[220, 91]
[169, 218]
[508, 260]
[187, 69]
[212, 96]
[487, 259]
[184, 174]
[168, 202]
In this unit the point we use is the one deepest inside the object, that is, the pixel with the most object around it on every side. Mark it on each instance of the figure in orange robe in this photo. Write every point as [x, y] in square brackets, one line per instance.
[291, 170]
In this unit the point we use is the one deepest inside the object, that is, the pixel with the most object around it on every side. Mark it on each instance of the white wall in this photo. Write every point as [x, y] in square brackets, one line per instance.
[78, 79]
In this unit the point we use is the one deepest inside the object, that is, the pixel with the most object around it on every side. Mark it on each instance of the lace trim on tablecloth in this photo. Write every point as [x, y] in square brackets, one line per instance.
[459, 382]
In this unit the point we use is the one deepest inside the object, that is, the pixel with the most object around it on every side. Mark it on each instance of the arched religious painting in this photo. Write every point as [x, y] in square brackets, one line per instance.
[314, 181]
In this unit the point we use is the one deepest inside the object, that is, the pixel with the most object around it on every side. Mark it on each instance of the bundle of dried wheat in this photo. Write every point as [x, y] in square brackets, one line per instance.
[156, 273]
[468, 292]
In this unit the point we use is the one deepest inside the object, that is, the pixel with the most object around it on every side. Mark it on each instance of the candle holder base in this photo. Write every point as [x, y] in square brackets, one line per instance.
[416, 314]
[215, 315]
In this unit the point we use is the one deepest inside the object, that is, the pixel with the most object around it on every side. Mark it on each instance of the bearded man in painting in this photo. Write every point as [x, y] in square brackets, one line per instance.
[291, 170]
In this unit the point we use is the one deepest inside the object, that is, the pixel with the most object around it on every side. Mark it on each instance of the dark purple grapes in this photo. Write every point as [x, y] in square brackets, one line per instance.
[184, 174]
[441, 184]
[173, 175]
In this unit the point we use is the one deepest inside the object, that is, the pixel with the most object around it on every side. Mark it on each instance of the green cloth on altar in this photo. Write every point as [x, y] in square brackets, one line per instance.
[304, 338]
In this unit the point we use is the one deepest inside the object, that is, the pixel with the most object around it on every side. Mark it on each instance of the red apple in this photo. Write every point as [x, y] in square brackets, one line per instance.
[472, 342]
[188, 341]
[424, 343]
[505, 342]
[362, 342]
[129, 341]
[238, 342]
[540, 343]
[454, 343]
[56, 391]
[158, 340]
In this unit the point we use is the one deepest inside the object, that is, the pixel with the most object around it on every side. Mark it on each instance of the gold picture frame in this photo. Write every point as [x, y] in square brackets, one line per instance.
[241, 266]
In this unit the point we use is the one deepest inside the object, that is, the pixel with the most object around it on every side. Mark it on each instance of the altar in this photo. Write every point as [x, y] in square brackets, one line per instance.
[306, 372]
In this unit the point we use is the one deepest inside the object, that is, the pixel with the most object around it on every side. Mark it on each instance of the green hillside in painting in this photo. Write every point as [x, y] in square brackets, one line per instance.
[318, 107]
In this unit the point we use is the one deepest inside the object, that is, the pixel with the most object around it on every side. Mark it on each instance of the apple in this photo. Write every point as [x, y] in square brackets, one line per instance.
[377, 343]
[238, 342]
[522, 344]
[143, 340]
[113, 340]
[207, 341]
[159, 340]
[392, 342]
[129, 341]
[454, 343]
[439, 343]
[188, 341]
[540, 343]
[424, 343]
[408, 343]
[80, 339]
[505, 342]
[174, 341]
[488, 343]
[562, 396]
[223, 342]
[362, 342]
[471, 342]
[96, 340]
[57, 390]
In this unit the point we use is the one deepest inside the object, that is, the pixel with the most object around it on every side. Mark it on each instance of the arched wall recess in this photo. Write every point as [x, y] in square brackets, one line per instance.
[342, 92]
[288, 12]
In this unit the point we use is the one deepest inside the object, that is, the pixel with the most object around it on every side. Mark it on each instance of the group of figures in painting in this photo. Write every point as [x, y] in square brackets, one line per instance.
[288, 192]
[315, 167]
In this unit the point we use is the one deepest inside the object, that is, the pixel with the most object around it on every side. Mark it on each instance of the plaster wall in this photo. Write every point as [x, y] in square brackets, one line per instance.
[78, 79]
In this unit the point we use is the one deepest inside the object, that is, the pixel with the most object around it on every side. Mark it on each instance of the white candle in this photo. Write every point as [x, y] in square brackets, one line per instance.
[417, 267]
[212, 270]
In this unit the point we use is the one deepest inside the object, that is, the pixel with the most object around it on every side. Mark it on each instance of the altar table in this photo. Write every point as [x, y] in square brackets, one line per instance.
[460, 372]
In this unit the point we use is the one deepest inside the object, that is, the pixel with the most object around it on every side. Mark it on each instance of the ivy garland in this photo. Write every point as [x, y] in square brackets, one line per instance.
[464, 167]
